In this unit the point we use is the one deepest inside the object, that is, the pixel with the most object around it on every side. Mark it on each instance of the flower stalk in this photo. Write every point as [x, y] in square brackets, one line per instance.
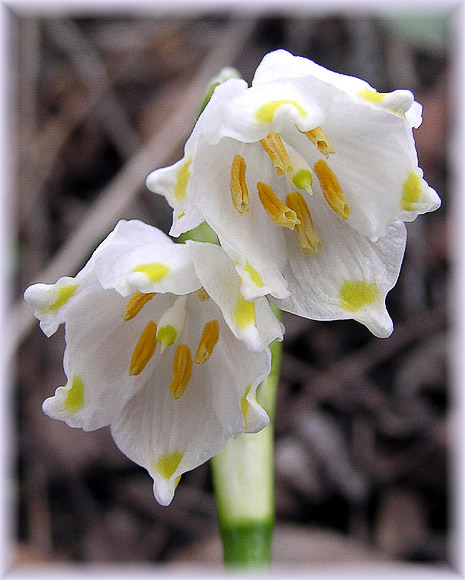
[243, 478]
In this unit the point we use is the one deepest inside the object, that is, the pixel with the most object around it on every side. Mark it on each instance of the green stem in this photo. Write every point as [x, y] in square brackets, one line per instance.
[243, 479]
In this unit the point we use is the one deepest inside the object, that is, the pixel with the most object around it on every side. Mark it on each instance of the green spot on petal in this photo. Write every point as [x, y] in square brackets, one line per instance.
[244, 313]
[267, 111]
[356, 295]
[182, 179]
[167, 464]
[254, 275]
[154, 271]
[75, 397]
[411, 191]
[63, 293]
[303, 179]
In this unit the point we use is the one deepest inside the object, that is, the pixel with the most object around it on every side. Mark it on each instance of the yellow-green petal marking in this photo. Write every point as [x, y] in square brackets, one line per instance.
[267, 111]
[254, 275]
[75, 397]
[411, 191]
[154, 271]
[182, 179]
[167, 464]
[354, 296]
[372, 96]
[244, 313]
[63, 294]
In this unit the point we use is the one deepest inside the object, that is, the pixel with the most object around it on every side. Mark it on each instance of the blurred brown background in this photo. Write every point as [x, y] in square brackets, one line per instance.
[362, 439]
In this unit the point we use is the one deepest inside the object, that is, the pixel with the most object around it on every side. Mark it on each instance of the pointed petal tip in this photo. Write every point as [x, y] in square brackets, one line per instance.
[163, 490]
[380, 326]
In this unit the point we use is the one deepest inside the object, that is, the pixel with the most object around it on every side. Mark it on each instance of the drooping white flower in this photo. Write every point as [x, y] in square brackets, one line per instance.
[306, 177]
[171, 360]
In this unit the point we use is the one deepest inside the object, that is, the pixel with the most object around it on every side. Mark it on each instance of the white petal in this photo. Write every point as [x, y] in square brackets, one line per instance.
[349, 278]
[373, 160]
[278, 105]
[249, 237]
[173, 183]
[281, 65]
[170, 436]
[141, 257]
[251, 321]
[52, 301]
[99, 347]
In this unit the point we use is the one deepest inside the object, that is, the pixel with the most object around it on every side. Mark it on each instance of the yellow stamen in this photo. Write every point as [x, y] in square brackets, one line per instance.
[332, 190]
[167, 464]
[75, 396]
[274, 146]
[308, 238]
[208, 340]
[182, 370]
[202, 294]
[137, 301]
[239, 191]
[278, 212]
[63, 294]
[145, 349]
[321, 141]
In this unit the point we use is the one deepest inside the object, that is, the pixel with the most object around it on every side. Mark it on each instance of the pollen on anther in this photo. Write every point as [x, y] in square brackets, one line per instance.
[308, 238]
[275, 208]
[238, 185]
[182, 370]
[137, 301]
[202, 294]
[321, 141]
[332, 190]
[144, 350]
[208, 340]
[274, 146]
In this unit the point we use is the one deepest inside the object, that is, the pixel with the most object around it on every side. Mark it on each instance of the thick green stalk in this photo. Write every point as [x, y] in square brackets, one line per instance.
[243, 478]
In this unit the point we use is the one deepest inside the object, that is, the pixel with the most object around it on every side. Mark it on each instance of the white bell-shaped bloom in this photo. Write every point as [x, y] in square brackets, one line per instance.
[172, 408]
[306, 177]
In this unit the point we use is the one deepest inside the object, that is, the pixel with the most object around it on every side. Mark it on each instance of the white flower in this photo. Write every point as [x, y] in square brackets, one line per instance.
[158, 352]
[306, 177]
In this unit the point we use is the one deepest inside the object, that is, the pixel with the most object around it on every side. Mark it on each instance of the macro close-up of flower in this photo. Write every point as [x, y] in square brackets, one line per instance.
[233, 232]
[162, 368]
[305, 177]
